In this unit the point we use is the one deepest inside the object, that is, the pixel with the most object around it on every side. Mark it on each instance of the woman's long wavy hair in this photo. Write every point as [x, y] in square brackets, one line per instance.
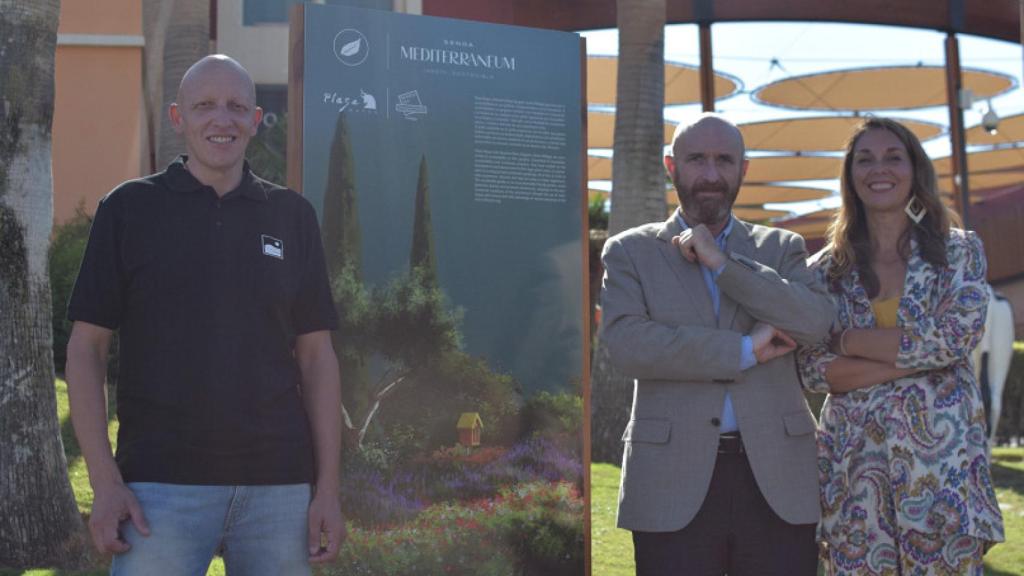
[849, 240]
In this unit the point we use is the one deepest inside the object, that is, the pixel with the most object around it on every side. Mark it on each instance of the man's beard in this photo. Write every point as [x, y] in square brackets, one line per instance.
[706, 209]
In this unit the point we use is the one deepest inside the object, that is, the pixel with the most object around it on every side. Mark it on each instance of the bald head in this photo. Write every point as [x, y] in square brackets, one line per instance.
[214, 64]
[705, 124]
[217, 115]
[706, 165]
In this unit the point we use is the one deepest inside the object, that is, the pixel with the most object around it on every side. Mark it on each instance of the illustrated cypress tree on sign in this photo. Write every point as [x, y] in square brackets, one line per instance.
[421, 254]
[341, 232]
[342, 238]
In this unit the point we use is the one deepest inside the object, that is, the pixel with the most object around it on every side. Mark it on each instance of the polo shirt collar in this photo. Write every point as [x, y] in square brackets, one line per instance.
[181, 180]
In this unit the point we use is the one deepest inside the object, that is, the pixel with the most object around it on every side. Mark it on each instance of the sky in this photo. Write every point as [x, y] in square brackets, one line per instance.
[758, 53]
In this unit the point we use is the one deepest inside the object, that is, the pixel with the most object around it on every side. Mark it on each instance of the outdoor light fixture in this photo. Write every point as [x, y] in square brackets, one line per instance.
[990, 121]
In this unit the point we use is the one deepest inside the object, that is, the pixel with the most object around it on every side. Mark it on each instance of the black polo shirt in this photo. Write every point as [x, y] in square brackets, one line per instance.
[208, 294]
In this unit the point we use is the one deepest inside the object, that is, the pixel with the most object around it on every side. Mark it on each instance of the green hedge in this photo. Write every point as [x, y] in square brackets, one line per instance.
[65, 256]
[1011, 420]
[64, 259]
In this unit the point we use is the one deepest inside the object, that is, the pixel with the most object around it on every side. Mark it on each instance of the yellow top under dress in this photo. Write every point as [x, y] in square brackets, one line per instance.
[885, 312]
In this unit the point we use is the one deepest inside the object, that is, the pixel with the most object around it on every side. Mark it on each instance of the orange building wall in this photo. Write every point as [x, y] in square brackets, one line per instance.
[101, 17]
[98, 119]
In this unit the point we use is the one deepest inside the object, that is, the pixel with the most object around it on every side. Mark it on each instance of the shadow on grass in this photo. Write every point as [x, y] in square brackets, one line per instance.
[1008, 477]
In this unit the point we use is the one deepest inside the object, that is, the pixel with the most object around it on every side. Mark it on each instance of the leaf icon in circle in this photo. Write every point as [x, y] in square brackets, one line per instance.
[352, 47]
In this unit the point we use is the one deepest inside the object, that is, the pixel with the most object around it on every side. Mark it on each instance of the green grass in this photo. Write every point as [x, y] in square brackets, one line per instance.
[613, 548]
[79, 477]
[1007, 559]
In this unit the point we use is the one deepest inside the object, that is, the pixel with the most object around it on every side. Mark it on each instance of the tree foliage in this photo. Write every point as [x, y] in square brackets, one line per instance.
[451, 384]
[267, 152]
[405, 322]
[65, 256]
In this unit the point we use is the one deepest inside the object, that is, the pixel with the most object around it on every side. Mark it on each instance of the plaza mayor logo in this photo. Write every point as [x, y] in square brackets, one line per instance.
[365, 102]
[351, 47]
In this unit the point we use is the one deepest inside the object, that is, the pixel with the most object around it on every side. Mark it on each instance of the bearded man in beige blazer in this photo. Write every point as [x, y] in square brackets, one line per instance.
[704, 312]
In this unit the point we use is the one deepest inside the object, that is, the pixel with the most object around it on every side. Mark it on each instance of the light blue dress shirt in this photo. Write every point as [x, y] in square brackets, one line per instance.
[747, 358]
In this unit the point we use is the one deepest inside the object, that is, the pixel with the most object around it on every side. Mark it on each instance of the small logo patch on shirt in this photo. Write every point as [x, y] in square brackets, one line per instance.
[272, 247]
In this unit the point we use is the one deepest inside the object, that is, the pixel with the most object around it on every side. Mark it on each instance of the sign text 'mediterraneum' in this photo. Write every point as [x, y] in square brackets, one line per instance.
[458, 58]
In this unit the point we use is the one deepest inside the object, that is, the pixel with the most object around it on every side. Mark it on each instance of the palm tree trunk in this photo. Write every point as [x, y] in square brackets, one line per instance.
[156, 15]
[638, 177]
[638, 188]
[39, 520]
[177, 34]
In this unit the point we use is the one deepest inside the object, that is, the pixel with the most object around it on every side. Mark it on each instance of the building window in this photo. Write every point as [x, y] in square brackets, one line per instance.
[256, 12]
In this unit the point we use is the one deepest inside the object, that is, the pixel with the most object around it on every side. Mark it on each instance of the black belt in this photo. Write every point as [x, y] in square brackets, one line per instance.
[730, 443]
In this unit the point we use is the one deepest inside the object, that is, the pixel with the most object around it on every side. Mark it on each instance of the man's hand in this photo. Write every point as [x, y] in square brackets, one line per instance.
[113, 504]
[698, 245]
[770, 342]
[326, 527]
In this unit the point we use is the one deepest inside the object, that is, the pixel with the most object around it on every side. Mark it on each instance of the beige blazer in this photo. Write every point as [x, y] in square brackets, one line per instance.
[660, 329]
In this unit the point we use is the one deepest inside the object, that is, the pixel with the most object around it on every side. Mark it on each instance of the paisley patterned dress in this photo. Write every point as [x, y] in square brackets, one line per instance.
[903, 466]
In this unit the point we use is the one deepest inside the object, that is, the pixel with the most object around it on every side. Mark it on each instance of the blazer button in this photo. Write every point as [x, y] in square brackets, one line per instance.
[716, 421]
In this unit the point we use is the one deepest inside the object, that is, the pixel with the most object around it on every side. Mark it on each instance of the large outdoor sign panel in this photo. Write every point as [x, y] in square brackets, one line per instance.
[445, 159]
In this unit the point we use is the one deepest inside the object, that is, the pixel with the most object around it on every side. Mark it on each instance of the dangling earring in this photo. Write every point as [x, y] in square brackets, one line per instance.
[916, 210]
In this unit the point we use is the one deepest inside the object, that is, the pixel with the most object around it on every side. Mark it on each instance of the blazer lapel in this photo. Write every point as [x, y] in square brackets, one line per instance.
[688, 273]
[918, 286]
[739, 241]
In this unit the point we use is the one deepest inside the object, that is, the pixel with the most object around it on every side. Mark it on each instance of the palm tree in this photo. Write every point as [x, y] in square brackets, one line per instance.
[177, 34]
[39, 520]
[638, 177]
[638, 187]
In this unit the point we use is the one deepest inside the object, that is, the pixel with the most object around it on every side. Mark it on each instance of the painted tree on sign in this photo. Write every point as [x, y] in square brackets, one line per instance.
[405, 322]
[342, 237]
[421, 254]
[39, 520]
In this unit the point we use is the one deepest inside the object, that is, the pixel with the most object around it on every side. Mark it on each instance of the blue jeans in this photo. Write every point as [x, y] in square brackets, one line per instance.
[259, 530]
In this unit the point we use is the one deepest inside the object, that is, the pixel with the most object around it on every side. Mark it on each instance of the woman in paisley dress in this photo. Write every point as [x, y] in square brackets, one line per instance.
[905, 482]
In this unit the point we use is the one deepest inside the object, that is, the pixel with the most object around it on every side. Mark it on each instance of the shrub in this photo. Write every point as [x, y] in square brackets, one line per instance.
[1011, 420]
[267, 152]
[554, 414]
[367, 494]
[529, 529]
[375, 497]
[543, 522]
[437, 392]
[64, 258]
[815, 401]
[597, 213]
[537, 459]
[544, 459]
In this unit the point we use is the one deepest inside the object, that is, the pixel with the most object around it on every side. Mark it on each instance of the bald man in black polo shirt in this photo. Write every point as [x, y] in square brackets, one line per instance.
[229, 398]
